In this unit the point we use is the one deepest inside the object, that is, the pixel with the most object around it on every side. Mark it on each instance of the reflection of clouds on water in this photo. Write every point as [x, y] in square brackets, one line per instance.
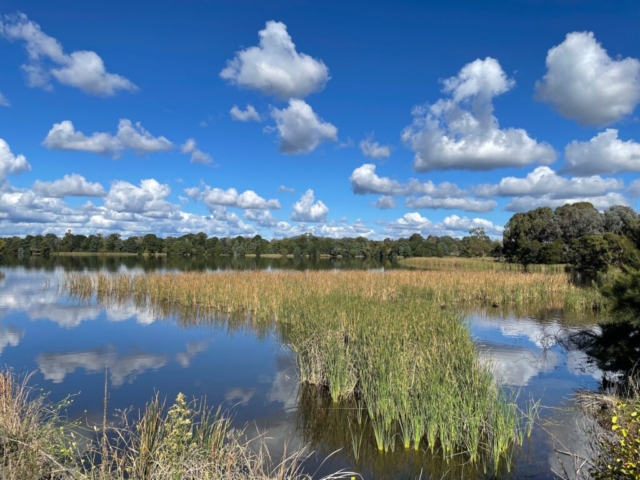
[193, 348]
[39, 297]
[517, 365]
[579, 363]
[284, 385]
[68, 316]
[22, 292]
[120, 313]
[10, 336]
[239, 395]
[542, 335]
[56, 366]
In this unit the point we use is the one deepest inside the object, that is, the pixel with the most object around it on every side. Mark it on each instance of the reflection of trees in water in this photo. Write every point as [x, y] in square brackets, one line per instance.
[344, 426]
[111, 263]
[615, 349]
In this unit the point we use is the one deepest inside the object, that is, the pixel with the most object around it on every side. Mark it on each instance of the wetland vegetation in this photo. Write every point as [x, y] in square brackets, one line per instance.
[394, 343]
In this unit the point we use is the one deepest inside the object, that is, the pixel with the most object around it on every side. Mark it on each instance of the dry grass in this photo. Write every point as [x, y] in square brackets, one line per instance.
[186, 441]
[261, 294]
[463, 263]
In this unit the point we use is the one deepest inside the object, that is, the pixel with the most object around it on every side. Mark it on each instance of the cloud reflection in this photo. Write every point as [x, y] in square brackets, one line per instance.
[527, 347]
[193, 348]
[517, 365]
[40, 299]
[56, 366]
[10, 336]
[126, 311]
[240, 395]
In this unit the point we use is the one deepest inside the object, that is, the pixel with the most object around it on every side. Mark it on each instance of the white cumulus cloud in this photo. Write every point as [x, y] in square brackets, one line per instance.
[364, 180]
[81, 69]
[543, 181]
[414, 222]
[218, 197]
[454, 222]
[584, 83]
[461, 132]
[70, 185]
[149, 198]
[197, 155]
[372, 149]
[3, 101]
[284, 189]
[466, 204]
[247, 115]
[306, 210]
[274, 67]
[10, 163]
[604, 153]
[300, 130]
[602, 202]
[385, 202]
[63, 136]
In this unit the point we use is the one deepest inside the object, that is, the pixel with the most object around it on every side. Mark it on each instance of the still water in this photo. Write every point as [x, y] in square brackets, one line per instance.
[68, 345]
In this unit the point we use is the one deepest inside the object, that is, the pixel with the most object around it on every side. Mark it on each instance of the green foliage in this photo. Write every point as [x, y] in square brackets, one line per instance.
[623, 293]
[574, 233]
[477, 244]
[620, 458]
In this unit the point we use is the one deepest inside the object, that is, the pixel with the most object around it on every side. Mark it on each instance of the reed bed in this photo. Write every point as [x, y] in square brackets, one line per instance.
[263, 294]
[186, 441]
[394, 341]
[463, 263]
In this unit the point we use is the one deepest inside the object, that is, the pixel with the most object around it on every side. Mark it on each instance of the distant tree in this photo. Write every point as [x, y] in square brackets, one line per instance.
[579, 219]
[622, 220]
[537, 225]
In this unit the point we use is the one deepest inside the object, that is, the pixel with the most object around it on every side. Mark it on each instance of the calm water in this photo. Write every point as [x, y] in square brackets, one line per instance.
[68, 346]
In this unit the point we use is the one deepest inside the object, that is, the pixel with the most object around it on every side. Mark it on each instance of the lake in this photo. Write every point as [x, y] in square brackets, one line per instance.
[68, 345]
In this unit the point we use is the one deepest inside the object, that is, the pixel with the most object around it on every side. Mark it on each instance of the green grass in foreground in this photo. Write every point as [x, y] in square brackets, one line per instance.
[394, 341]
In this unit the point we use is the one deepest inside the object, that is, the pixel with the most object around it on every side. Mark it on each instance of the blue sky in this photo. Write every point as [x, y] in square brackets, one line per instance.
[335, 118]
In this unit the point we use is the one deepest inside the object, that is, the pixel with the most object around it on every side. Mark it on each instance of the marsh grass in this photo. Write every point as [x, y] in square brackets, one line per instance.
[263, 295]
[394, 341]
[478, 264]
[186, 441]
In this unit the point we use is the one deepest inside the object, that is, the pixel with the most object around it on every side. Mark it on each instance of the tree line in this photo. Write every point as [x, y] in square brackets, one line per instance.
[476, 244]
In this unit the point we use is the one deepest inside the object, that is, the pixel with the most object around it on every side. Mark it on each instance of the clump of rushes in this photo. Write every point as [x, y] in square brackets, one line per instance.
[187, 441]
[395, 341]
